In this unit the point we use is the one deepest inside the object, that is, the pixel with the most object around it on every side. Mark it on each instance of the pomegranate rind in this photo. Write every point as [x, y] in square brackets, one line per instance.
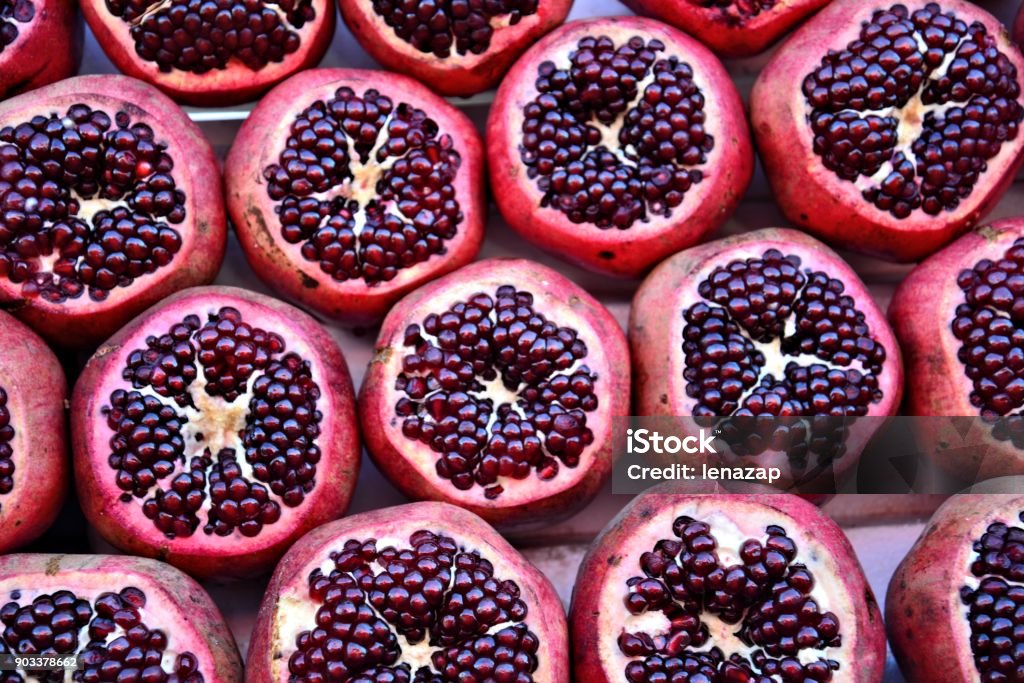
[1018, 26]
[410, 465]
[813, 197]
[269, 649]
[124, 524]
[726, 35]
[182, 609]
[36, 395]
[631, 252]
[48, 49]
[220, 87]
[597, 611]
[456, 75]
[281, 265]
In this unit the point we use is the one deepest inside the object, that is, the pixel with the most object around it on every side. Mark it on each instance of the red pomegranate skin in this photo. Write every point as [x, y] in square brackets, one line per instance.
[269, 651]
[814, 198]
[727, 29]
[201, 554]
[48, 48]
[411, 465]
[457, 74]
[35, 394]
[1018, 26]
[281, 265]
[630, 252]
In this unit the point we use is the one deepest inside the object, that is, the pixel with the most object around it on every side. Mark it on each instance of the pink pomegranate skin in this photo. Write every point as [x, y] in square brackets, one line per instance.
[458, 74]
[816, 199]
[620, 252]
[597, 615]
[411, 465]
[201, 554]
[235, 84]
[271, 645]
[1018, 26]
[84, 322]
[35, 392]
[728, 30]
[48, 48]
[282, 265]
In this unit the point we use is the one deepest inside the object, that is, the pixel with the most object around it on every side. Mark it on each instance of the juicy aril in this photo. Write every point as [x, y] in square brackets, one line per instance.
[33, 442]
[213, 431]
[772, 330]
[212, 52]
[457, 48]
[495, 388]
[348, 190]
[110, 200]
[124, 618]
[891, 128]
[40, 43]
[420, 592]
[616, 142]
[724, 589]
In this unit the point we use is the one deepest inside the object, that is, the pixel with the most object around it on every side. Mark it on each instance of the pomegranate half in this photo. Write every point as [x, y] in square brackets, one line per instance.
[457, 48]
[349, 188]
[124, 618]
[774, 331]
[495, 388]
[724, 588]
[213, 431]
[34, 465]
[419, 592]
[891, 128]
[615, 142]
[40, 43]
[215, 52]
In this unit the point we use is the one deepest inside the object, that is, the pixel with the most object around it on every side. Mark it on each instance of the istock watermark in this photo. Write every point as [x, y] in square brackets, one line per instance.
[644, 441]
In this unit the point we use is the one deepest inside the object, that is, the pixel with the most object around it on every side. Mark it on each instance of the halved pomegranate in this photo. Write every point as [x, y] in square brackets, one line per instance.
[213, 431]
[124, 618]
[110, 200]
[724, 589]
[349, 188]
[33, 435]
[495, 388]
[891, 128]
[40, 43]
[419, 592]
[212, 52]
[772, 330]
[457, 48]
[732, 28]
[615, 142]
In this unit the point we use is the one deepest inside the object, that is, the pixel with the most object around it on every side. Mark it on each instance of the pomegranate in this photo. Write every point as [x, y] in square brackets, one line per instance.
[213, 431]
[457, 47]
[723, 589]
[772, 330]
[615, 142]
[495, 388]
[890, 128]
[348, 190]
[40, 43]
[33, 442]
[1018, 26]
[110, 200]
[124, 618]
[419, 592]
[732, 28]
[212, 52]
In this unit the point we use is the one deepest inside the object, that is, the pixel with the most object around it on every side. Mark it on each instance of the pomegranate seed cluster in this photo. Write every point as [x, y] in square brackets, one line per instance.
[923, 68]
[438, 26]
[12, 13]
[366, 186]
[108, 635]
[767, 594]
[160, 454]
[433, 594]
[6, 449]
[616, 136]
[456, 354]
[199, 36]
[56, 168]
[739, 9]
